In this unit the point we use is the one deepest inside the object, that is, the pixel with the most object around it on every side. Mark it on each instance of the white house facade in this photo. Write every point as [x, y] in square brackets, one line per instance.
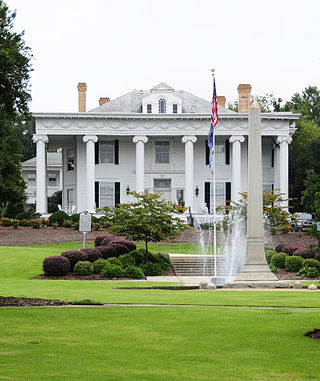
[156, 140]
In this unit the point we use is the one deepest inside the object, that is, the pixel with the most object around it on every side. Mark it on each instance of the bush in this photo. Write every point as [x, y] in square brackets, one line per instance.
[311, 263]
[56, 266]
[280, 247]
[95, 225]
[43, 221]
[92, 253]
[114, 261]
[107, 239]
[133, 272]
[138, 257]
[67, 224]
[112, 271]
[15, 223]
[98, 240]
[128, 244]
[269, 252]
[76, 226]
[28, 214]
[98, 265]
[311, 252]
[83, 268]
[6, 221]
[309, 272]
[151, 269]
[55, 225]
[75, 217]
[36, 224]
[274, 269]
[119, 248]
[294, 264]
[58, 217]
[106, 251]
[26, 223]
[291, 248]
[126, 260]
[163, 261]
[74, 257]
[278, 260]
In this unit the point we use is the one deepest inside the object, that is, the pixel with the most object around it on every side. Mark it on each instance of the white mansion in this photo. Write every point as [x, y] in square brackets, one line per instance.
[156, 140]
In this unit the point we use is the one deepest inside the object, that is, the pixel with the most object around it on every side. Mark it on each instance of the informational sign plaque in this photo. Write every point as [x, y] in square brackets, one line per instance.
[84, 225]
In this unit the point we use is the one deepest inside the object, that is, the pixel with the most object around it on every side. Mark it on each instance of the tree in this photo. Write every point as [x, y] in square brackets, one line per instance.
[310, 199]
[15, 70]
[267, 103]
[148, 218]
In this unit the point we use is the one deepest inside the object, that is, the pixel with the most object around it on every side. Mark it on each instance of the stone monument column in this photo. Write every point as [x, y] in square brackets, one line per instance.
[188, 181]
[140, 142]
[41, 176]
[90, 140]
[236, 167]
[284, 142]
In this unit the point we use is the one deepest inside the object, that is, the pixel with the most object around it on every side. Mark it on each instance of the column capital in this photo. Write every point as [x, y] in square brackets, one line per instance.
[88, 138]
[189, 138]
[284, 139]
[140, 138]
[236, 138]
[37, 138]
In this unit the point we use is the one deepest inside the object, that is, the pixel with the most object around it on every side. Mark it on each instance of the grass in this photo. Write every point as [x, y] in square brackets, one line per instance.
[152, 343]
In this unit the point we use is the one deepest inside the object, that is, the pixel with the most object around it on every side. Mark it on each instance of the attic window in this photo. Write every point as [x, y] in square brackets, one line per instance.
[149, 108]
[162, 106]
[174, 108]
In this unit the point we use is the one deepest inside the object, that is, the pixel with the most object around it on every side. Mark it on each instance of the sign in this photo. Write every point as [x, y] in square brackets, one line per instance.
[85, 222]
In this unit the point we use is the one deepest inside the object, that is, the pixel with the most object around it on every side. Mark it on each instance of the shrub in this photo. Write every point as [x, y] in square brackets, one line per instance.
[75, 217]
[126, 260]
[83, 268]
[107, 239]
[163, 261]
[26, 223]
[114, 261]
[119, 248]
[279, 248]
[310, 262]
[43, 221]
[151, 269]
[15, 223]
[56, 266]
[269, 252]
[294, 264]
[97, 241]
[106, 251]
[309, 272]
[98, 265]
[92, 253]
[76, 226]
[6, 221]
[274, 269]
[36, 224]
[60, 216]
[133, 272]
[95, 225]
[29, 214]
[128, 244]
[291, 248]
[311, 252]
[54, 225]
[278, 260]
[67, 224]
[112, 271]
[74, 256]
[138, 257]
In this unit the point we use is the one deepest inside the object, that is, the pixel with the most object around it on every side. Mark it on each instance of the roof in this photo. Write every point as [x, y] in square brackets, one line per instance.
[54, 159]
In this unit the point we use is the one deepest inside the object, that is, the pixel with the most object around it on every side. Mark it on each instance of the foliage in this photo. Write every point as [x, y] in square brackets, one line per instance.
[138, 256]
[273, 268]
[98, 265]
[309, 272]
[114, 261]
[75, 217]
[112, 271]
[67, 224]
[163, 261]
[92, 253]
[74, 257]
[54, 201]
[311, 251]
[126, 260]
[291, 248]
[56, 266]
[119, 248]
[313, 231]
[54, 225]
[107, 251]
[133, 272]
[267, 103]
[58, 217]
[98, 240]
[83, 268]
[36, 224]
[310, 262]
[95, 226]
[28, 214]
[151, 269]
[294, 264]
[148, 218]
[269, 252]
[278, 260]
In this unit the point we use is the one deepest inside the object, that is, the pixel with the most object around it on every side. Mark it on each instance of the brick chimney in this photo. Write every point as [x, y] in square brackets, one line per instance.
[103, 100]
[221, 100]
[244, 91]
[82, 89]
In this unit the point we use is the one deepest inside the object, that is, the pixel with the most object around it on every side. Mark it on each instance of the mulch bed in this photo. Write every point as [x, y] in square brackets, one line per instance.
[315, 334]
[285, 275]
[29, 302]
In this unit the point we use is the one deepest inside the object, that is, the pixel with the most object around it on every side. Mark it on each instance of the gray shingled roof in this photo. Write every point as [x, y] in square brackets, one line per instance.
[53, 159]
[132, 103]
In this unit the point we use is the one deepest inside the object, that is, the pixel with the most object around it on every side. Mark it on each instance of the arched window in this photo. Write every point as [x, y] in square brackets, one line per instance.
[162, 106]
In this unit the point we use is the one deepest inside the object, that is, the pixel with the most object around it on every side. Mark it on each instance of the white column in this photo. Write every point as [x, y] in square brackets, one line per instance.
[236, 167]
[140, 142]
[188, 182]
[90, 173]
[284, 142]
[41, 180]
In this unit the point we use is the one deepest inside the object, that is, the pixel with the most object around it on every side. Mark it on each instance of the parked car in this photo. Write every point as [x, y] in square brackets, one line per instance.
[301, 220]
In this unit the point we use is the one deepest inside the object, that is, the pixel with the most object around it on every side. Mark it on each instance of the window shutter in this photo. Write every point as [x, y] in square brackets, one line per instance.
[207, 153]
[96, 193]
[96, 152]
[228, 193]
[207, 194]
[272, 158]
[116, 193]
[116, 151]
[227, 149]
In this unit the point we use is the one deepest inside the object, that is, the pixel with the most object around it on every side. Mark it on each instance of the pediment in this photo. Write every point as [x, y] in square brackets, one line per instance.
[162, 87]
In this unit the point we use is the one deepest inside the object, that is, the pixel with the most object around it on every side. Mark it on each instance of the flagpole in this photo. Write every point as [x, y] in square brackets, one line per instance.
[214, 199]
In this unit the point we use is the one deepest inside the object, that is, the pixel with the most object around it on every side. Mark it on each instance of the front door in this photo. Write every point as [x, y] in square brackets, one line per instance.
[163, 186]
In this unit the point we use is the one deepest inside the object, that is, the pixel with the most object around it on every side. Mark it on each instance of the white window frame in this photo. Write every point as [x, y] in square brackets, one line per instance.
[108, 160]
[220, 153]
[175, 108]
[149, 108]
[106, 198]
[52, 179]
[159, 144]
[162, 106]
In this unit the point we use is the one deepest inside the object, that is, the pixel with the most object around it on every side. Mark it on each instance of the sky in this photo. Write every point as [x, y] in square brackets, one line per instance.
[118, 46]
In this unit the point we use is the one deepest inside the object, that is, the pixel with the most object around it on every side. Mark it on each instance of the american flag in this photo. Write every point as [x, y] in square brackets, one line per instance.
[214, 121]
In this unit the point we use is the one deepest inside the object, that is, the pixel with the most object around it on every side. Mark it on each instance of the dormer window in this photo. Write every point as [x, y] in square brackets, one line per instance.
[174, 108]
[162, 106]
[149, 108]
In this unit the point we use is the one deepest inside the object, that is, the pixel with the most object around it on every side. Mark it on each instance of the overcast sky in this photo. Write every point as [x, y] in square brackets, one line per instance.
[118, 46]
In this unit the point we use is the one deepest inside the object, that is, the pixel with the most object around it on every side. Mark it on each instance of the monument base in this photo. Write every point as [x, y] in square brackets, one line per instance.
[255, 273]
[257, 284]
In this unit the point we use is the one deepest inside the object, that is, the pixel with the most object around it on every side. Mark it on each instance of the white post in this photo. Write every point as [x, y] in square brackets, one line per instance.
[90, 174]
[189, 186]
[284, 142]
[41, 180]
[140, 142]
[236, 167]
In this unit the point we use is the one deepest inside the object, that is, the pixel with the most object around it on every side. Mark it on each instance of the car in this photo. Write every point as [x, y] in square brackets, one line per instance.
[301, 221]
